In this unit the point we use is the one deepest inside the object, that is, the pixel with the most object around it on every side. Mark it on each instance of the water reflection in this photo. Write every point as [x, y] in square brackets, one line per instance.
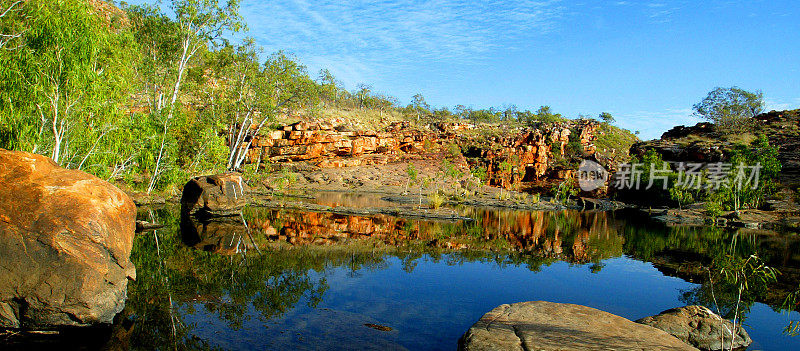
[224, 236]
[208, 277]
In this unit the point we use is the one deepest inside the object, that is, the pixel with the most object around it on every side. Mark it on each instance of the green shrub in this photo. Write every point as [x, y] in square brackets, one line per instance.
[436, 200]
[564, 190]
[713, 209]
[453, 150]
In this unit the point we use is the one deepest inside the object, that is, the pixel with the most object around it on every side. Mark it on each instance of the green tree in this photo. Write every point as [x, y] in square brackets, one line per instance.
[10, 30]
[364, 95]
[200, 23]
[419, 106]
[159, 42]
[330, 87]
[745, 191]
[607, 117]
[731, 109]
[412, 173]
[545, 114]
[280, 85]
[62, 83]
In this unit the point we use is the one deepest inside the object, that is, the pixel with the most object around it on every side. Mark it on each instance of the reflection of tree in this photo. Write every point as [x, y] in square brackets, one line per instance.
[224, 278]
[701, 253]
[271, 283]
[300, 249]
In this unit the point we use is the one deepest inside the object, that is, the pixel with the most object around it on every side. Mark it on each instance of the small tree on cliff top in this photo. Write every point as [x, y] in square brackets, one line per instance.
[607, 117]
[730, 108]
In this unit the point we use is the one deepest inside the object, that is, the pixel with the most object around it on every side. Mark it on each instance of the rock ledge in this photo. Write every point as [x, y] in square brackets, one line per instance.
[541, 326]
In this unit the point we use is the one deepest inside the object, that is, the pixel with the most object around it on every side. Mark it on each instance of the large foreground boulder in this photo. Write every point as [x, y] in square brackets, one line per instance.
[215, 195]
[65, 244]
[699, 326]
[541, 325]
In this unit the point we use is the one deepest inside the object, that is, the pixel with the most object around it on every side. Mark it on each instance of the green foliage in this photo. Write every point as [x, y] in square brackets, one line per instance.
[62, 86]
[450, 170]
[615, 141]
[480, 173]
[681, 195]
[743, 191]
[412, 172]
[713, 209]
[419, 106]
[731, 109]
[563, 191]
[436, 200]
[607, 118]
[544, 114]
[452, 150]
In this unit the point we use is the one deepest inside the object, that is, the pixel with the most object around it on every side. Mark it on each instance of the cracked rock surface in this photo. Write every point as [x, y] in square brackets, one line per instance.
[541, 325]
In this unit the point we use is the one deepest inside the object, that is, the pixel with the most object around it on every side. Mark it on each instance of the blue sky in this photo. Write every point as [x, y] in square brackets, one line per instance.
[646, 62]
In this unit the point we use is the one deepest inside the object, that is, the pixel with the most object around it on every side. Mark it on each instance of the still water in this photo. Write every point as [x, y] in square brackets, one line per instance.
[306, 280]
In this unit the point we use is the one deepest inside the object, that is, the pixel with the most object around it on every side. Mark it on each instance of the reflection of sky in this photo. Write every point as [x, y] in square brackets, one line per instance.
[431, 307]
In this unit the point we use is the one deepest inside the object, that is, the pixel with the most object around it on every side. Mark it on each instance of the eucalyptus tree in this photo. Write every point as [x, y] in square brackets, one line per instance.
[731, 109]
[607, 117]
[279, 85]
[64, 79]
[546, 114]
[363, 94]
[419, 105]
[329, 87]
[200, 23]
[8, 32]
[158, 39]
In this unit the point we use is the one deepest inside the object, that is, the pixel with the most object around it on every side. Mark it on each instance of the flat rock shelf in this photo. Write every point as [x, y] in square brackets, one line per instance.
[542, 326]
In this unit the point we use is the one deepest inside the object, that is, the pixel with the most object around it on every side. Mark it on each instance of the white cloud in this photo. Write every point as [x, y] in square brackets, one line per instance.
[360, 38]
[779, 105]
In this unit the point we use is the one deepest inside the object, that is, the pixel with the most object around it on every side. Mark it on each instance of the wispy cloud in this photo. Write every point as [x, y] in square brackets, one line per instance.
[357, 38]
[778, 105]
[661, 12]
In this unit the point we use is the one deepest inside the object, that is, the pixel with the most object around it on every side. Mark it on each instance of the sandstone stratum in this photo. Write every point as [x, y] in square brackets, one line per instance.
[542, 152]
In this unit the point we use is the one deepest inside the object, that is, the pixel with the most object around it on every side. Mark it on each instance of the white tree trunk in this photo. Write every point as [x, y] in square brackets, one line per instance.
[186, 55]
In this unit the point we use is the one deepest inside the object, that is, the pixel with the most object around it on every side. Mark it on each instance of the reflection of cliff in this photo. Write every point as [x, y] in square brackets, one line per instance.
[572, 236]
[565, 235]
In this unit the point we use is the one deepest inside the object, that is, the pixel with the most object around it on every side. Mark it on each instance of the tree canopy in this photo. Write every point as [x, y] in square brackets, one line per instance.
[730, 108]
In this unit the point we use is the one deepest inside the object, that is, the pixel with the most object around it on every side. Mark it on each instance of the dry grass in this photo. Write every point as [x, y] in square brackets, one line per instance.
[368, 118]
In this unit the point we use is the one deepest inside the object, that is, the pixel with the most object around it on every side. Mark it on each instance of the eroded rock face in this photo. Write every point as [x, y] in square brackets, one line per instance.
[215, 195]
[541, 325]
[529, 152]
[65, 243]
[698, 326]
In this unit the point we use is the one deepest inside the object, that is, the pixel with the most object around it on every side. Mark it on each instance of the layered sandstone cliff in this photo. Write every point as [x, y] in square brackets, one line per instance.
[507, 155]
